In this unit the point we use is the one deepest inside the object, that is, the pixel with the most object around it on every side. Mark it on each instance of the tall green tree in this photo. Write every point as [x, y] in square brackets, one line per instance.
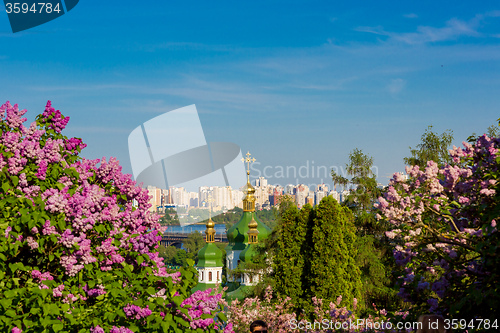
[193, 243]
[433, 147]
[331, 255]
[493, 131]
[314, 253]
[374, 256]
[167, 253]
[180, 258]
[289, 259]
[339, 180]
[364, 193]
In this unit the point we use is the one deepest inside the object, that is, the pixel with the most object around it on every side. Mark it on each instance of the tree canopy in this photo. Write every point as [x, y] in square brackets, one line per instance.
[433, 147]
[315, 255]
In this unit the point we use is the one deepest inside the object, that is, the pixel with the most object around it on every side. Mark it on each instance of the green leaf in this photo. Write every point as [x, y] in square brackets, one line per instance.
[177, 300]
[10, 293]
[183, 322]
[165, 325]
[222, 316]
[61, 223]
[57, 327]
[10, 313]
[15, 180]
[6, 302]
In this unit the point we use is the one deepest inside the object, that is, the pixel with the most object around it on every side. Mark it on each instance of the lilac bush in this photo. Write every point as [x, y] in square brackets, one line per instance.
[327, 317]
[445, 232]
[77, 243]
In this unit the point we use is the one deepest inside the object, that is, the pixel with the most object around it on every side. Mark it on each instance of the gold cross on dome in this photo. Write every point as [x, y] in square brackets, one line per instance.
[248, 160]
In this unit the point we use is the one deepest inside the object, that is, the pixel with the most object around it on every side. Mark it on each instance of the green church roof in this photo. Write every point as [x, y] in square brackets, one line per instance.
[237, 235]
[210, 256]
[248, 253]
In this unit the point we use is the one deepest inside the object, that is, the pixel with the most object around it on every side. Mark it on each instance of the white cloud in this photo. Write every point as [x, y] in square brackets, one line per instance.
[396, 86]
[453, 29]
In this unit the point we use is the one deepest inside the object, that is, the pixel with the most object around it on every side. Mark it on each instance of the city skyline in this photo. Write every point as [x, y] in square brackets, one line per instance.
[224, 198]
[293, 82]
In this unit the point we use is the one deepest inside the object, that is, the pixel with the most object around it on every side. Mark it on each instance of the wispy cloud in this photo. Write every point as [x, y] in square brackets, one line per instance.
[396, 86]
[82, 87]
[452, 30]
[411, 15]
[185, 46]
[97, 129]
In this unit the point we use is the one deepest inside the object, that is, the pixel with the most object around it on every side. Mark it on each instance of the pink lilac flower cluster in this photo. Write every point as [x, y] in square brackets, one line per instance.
[345, 319]
[200, 303]
[57, 121]
[95, 215]
[99, 329]
[94, 292]
[136, 312]
[90, 205]
[277, 313]
[439, 222]
[57, 291]
[120, 329]
[39, 277]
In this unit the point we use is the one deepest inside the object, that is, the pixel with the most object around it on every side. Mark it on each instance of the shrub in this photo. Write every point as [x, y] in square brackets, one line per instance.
[445, 232]
[77, 243]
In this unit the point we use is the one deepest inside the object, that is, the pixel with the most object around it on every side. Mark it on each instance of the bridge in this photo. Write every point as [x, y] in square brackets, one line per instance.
[176, 238]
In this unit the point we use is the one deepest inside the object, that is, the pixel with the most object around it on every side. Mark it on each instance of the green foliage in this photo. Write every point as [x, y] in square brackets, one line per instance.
[433, 147]
[170, 217]
[268, 217]
[77, 243]
[375, 262]
[180, 258]
[493, 131]
[374, 257]
[167, 253]
[363, 181]
[445, 234]
[339, 180]
[331, 255]
[193, 243]
[315, 254]
[289, 261]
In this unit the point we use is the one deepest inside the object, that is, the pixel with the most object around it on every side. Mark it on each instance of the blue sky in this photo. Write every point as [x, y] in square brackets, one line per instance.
[291, 81]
